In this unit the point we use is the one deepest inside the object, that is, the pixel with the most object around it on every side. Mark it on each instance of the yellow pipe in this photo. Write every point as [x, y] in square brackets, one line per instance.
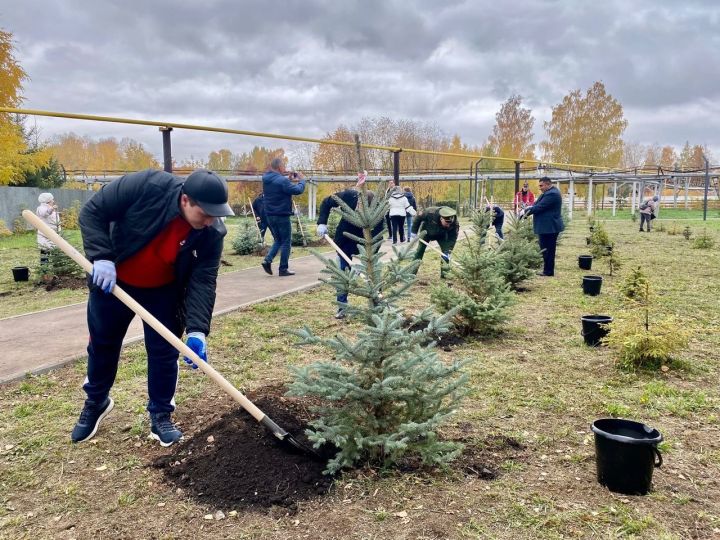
[156, 123]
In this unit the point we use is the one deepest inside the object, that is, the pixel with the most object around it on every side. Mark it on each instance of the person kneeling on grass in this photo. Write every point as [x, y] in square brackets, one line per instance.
[159, 238]
[440, 224]
[351, 197]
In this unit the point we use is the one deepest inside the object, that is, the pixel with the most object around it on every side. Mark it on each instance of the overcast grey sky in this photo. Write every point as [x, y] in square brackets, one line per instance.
[304, 67]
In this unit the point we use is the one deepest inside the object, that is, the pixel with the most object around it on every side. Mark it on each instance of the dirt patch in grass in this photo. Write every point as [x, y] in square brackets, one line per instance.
[236, 463]
[63, 282]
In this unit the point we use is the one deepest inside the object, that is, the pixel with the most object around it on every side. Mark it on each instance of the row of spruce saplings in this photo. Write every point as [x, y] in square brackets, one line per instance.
[641, 337]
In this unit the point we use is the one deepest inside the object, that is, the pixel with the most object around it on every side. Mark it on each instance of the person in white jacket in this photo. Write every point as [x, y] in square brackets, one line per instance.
[399, 206]
[47, 212]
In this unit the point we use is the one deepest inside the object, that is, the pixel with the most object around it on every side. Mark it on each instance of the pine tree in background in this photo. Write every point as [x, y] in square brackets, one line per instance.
[519, 256]
[247, 240]
[387, 390]
[479, 292]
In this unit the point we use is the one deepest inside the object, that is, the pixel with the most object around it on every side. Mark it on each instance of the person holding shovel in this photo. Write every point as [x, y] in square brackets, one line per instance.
[440, 224]
[279, 191]
[161, 239]
[351, 197]
[258, 206]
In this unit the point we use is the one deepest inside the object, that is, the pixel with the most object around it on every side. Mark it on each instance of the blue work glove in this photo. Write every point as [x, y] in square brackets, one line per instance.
[104, 275]
[322, 230]
[446, 257]
[196, 341]
[413, 236]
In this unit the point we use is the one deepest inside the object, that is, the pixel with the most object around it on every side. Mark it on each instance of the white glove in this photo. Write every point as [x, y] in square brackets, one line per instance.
[104, 275]
[413, 236]
[322, 230]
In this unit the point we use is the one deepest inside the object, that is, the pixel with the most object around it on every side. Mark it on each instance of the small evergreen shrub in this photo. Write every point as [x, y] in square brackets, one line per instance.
[519, 256]
[633, 217]
[479, 292]
[640, 347]
[69, 218]
[384, 390]
[687, 232]
[60, 265]
[704, 241]
[673, 230]
[635, 285]
[599, 241]
[246, 240]
[660, 227]
[4, 231]
[20, 226]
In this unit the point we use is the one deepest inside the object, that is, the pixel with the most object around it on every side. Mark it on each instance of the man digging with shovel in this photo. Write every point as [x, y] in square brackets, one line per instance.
[161, 239]
[440, 224]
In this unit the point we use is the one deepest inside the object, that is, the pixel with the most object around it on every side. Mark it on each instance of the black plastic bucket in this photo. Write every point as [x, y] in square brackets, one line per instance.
[591, 285]
[594, 329]
[625, 455]
[21, 273]
[585, 262]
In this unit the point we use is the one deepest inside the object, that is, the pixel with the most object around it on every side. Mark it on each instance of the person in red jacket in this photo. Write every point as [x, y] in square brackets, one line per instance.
[523, 199]
[161, 239]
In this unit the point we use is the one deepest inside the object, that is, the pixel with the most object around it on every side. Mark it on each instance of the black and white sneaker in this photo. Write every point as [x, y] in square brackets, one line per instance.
[90, 418]
[340, 314]
[162, 429]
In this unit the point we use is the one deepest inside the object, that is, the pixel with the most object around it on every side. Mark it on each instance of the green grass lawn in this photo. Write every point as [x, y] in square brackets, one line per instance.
[536, 382]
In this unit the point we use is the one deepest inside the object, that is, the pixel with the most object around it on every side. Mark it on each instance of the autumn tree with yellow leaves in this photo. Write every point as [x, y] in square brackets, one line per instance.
[85, 155]
[513, 131]
[586, 129]
[16, 159]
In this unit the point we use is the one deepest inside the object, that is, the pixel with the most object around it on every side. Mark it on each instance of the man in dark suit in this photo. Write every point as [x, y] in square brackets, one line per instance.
[547, 222]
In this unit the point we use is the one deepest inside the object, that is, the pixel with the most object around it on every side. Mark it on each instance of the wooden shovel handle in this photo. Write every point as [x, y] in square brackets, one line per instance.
[440, 252]
[147, 317]
[337, 248]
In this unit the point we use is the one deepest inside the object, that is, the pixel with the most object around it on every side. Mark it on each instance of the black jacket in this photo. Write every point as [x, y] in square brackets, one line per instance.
[411, 199]
[259, 207]
[349, 197]
[129, 212]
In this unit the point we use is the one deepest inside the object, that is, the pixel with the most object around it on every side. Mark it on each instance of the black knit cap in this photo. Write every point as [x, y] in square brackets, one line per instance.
[209, 191]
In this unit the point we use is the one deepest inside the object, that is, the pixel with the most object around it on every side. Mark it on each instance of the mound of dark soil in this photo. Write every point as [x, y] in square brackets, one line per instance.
[444, 341]
[237, 463]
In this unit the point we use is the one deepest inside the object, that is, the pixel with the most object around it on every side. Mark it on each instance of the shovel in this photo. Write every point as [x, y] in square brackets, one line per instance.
[176, 342]
[261, 240]
[302, 231]
[438, 251]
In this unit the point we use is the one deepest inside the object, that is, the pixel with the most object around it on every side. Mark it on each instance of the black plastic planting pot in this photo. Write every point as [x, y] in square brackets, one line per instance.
[21, 273]
[592, 284]
[585, 262]
[626, 454]
[594, 328]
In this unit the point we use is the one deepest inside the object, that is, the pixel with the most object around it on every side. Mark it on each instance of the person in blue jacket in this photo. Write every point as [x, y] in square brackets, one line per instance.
[279, 190]
[547, 223]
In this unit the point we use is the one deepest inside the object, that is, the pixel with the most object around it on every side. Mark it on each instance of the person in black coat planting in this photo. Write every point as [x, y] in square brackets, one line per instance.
[351, 197]
[547, 223]
[161, 239]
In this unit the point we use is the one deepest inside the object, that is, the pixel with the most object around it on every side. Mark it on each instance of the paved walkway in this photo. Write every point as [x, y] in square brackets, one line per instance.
[44, 340]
